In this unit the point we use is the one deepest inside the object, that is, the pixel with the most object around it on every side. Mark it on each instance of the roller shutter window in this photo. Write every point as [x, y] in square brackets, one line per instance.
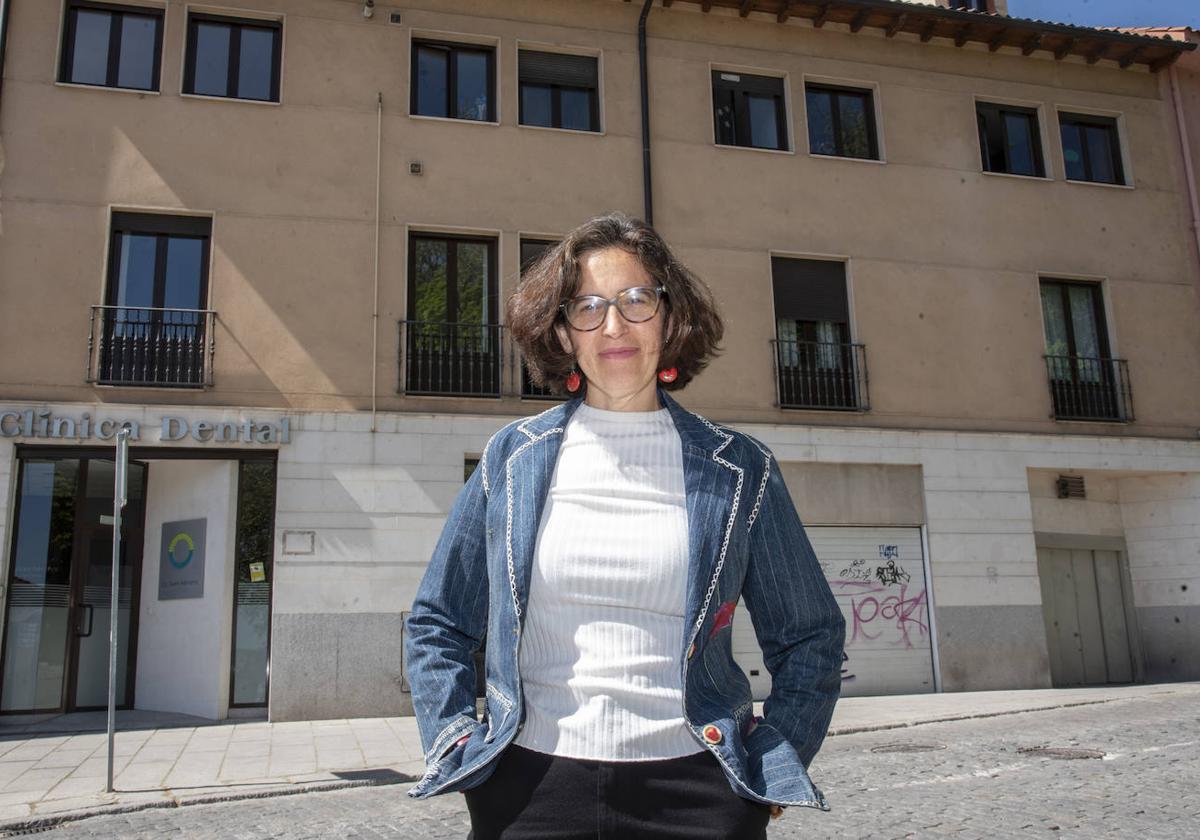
[559, 90]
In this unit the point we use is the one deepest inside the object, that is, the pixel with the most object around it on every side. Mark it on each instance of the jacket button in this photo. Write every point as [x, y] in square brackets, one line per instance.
[711, 734]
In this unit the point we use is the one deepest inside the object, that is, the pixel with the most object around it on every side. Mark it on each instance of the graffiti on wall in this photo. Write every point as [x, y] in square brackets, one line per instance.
[882, 605]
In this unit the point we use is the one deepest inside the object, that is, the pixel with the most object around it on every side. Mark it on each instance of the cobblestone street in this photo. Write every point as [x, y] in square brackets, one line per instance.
[968, 779]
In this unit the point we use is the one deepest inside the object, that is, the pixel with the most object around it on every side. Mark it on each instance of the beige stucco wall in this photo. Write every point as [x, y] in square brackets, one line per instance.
[942, 260]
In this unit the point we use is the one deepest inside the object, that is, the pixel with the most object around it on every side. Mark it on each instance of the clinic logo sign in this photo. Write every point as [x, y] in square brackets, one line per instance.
[178, 559]
[181, 560]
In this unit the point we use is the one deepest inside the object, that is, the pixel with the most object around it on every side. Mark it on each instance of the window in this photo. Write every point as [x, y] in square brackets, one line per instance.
[1085, 382]
[559, 91]
[841, 122]
[111, 46]
[1091, 149]
[531, 251]
[969, 5]
[153, 323]
[452, 337]
[253, 560]
[453, 80]
[1008, 139]
[234, 58]
[749, 110]
[818, 367]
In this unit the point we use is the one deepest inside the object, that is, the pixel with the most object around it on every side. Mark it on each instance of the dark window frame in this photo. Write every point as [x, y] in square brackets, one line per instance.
[117, 12]
[1074, 119]
[236, 25]
[161, 227]
[994, 132]
[528, 389]
[493, 290]
[271, 457]
[725, 92]
[1096, 292]
[556, 91]
[451, 47]
[835, 91]
[970, 5]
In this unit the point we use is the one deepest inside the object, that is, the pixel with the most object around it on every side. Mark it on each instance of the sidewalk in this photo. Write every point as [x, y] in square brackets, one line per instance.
[55, 770]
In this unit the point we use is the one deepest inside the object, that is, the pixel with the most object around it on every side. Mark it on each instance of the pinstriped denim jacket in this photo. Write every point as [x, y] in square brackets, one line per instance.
[745, 541]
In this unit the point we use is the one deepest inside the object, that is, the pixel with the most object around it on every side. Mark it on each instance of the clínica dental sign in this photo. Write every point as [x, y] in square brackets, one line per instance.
[43, 423]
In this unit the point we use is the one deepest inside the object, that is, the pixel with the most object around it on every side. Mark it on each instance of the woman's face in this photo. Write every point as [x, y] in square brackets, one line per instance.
[619, 358]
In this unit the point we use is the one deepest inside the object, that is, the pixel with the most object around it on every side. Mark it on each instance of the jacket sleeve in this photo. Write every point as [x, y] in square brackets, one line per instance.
[798, 623]
[448, 623]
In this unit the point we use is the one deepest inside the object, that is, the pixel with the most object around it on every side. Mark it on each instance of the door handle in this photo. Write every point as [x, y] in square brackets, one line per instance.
[79, 626]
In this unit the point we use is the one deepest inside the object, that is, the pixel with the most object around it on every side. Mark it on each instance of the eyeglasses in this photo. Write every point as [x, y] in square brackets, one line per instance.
[636, 304]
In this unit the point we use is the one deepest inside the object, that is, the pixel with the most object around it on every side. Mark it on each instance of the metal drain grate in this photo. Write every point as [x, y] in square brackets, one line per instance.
[908, 747]
[1065, 753]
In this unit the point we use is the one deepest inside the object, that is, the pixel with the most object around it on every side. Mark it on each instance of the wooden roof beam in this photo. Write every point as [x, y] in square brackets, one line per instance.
[860, 20]
[1165, 61]
[706, 6]
[997, 40]
[785, 11]
[1031, 44]
[1064, 49]
[822, 14]
[1097, 54]
[960, 37]
[1131, 56]
[927, 32]
[745, 8]
[896, 24]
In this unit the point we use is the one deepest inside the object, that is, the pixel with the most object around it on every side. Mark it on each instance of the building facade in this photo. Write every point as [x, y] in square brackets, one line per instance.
[273, 239]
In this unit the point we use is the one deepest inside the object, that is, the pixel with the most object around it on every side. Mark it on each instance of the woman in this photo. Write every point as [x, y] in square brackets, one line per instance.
[601, 548]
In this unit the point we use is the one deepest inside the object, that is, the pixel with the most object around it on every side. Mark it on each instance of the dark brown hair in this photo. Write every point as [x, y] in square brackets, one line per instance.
[695, 328]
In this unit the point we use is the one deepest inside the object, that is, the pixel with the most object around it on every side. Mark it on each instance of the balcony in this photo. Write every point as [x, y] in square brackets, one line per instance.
[448, 359]
[820, 375]
[148, 346]
[1090, 388]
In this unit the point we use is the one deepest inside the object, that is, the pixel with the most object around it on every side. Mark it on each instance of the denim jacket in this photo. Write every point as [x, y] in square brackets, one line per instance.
[745, 541]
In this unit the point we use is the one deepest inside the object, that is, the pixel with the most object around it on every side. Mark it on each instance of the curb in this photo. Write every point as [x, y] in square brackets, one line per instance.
[36, 825]
[852, 730]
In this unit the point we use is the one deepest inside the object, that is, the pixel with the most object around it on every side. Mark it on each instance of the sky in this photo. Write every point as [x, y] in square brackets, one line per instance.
[1110, 12]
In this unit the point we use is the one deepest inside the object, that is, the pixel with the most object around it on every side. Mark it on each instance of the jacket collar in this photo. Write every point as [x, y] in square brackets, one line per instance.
[694, 432]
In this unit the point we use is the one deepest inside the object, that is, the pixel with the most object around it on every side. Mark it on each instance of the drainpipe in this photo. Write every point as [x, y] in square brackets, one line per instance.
[4, 4]
[375, 302]
[647, 196]
[1188, 169]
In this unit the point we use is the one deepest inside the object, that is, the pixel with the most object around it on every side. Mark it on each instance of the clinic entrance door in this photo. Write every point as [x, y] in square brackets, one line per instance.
[58, 610]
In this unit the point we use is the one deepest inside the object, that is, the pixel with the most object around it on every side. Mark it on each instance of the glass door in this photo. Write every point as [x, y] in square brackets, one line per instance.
[39, 586]
[59, 608]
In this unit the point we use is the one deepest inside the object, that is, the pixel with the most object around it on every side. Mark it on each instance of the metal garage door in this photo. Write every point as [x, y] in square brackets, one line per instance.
[878, 578]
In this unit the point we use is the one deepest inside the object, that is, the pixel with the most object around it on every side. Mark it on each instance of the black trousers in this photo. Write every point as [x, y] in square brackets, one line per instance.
[533, 796]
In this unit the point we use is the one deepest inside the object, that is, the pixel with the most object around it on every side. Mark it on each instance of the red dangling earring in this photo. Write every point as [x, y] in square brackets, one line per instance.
[668, 375]
[573, 381]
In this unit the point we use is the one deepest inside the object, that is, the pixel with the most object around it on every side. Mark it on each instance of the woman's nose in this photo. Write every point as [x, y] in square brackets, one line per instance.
[614, 321]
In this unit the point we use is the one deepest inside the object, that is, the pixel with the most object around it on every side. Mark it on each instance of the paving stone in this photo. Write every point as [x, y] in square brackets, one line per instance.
[981, 785]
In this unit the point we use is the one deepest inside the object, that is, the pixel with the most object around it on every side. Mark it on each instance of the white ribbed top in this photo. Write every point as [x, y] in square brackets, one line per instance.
[599, 657]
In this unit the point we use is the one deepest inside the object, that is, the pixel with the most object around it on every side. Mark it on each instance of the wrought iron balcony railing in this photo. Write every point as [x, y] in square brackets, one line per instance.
[151, 346]
[453, 359]
[1090, 388]
[820, 374]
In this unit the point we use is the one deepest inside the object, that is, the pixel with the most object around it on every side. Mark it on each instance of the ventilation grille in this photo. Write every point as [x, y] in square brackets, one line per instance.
[1071, 487]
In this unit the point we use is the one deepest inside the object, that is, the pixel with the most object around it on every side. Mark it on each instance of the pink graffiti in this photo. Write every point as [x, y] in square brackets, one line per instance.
[871, 615]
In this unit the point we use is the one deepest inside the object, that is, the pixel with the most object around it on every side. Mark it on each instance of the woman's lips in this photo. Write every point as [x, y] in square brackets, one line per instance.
[619, 353]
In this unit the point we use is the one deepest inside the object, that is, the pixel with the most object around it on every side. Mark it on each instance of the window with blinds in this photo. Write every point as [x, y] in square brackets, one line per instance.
[559, 90]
